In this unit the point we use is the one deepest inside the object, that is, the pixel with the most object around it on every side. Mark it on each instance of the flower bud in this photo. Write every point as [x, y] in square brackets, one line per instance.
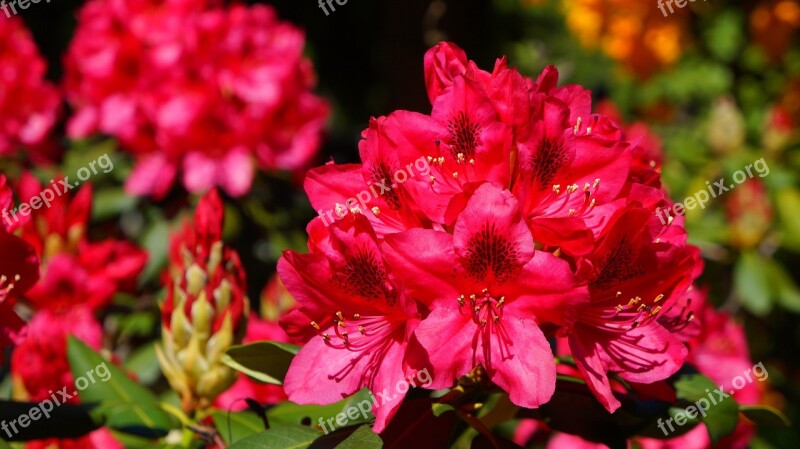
[726, 128]
[750, 214]
[205, 311]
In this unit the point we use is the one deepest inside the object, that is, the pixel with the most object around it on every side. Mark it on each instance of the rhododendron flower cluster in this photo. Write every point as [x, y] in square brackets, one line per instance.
[536, 222]
[29, 104]
[195, 87]
[206, 308]
[78, 278]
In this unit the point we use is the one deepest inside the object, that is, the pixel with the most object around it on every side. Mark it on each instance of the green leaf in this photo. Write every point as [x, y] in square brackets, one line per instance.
[286, 437]
[720, 418]
[289, 413]
[438, 409]
[111, 202]
[725, 37]
[267, 361]
[765, 416]
[787, 202]
[751, 282]
[144, 364]
[234, 426]
[362, 438]
[784, 288]
[155, 241]
[125, 405]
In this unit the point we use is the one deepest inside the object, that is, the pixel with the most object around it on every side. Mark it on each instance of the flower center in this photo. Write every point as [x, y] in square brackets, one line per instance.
[485, 308]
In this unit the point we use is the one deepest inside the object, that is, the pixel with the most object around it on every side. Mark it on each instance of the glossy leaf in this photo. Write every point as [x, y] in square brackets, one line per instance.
[362, 438]
[764, 415]
[285, 437]
[126, 405]
[266, 361]
[234, 426]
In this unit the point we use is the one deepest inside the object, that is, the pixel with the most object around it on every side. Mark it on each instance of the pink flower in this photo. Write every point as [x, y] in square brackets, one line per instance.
[361, 318]
[194, 87]
[59, 235]
[720, 352]
[510, 214]
[633, 276]
[40, 362]
[29, 104]
[99, 438]
[489, 293]
[19, 270]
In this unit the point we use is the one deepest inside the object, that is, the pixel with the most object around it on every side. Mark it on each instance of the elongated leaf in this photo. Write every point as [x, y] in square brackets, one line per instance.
[765, 416]
[267, 361]
[127, 406]
[720, 418]
[319, 415]
[362, 438]
[751, 282]
[285, 437]
[235, 426]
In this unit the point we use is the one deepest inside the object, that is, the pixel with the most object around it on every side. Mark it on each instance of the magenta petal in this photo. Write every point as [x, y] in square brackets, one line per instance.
[423, 259]
[386, 382]
[237, 171]
[526, 369]
[449, 339]
[589, 362]
[492, 219]
[323, 367]
[646, 354]
[199, 172]
[152, 175]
